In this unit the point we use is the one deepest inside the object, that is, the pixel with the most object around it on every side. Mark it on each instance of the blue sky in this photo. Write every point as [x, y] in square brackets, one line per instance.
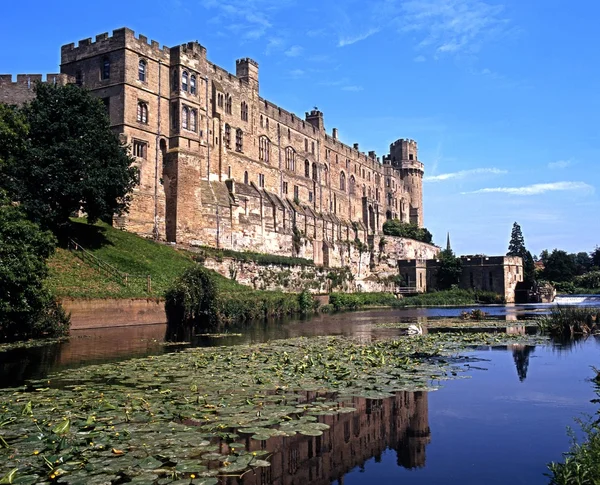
[502, 97]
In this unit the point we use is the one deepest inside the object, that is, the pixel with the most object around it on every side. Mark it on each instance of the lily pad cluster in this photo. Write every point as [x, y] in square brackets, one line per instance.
[200, 414]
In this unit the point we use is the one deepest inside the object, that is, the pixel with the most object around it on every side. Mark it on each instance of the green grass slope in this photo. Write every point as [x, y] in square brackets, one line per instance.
[72, 277]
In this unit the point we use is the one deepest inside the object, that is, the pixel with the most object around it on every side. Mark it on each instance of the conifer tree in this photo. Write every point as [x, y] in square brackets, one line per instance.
[516, 247]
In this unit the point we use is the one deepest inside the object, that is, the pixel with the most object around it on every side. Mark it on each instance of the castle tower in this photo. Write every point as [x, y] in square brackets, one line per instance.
[246, 69]
[403, 154]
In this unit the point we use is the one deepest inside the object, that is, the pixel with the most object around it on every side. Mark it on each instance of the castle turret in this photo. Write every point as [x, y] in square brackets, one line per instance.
[246, 69]
[403, 155]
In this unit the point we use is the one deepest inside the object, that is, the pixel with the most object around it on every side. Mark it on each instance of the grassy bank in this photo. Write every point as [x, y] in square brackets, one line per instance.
[128, 253]
[353, 301]
[581, 463]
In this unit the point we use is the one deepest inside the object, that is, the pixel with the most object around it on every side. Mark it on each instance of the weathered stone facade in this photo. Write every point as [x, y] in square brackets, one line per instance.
[499, 274]
[21, 91]
[222, 166]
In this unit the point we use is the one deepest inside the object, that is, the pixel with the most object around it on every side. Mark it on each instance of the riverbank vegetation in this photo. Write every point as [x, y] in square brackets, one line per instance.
[200, 414]
[570, 321]
[581, 463]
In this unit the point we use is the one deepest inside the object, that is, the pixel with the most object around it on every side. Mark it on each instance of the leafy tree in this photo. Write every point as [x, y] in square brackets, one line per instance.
[13, 133]
[450, 269]
[516, 247]
[595, 257]
[394, 227]
[72, 161]
[583, 262]
[26, 308]
[559, 266]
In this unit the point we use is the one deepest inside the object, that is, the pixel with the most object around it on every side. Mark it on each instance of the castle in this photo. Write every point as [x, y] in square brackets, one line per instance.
[221, 166]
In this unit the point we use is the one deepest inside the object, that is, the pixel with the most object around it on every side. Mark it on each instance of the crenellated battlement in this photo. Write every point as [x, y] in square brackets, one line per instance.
[120, 38]
[246, 60]
[21, 91]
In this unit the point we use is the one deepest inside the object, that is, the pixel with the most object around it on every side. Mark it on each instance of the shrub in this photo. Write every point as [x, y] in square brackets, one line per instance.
[353, 301]
[394, 227]
[568, 321]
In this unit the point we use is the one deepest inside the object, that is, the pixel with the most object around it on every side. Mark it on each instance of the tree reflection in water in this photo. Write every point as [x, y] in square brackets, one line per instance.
[521, 358]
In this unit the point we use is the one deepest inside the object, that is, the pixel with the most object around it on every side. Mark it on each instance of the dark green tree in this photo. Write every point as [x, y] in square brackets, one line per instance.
[450, 269]
[583, 262]
[595, 258]
[73, 161]
[13, 134]
[559, 267]
[27, 309]
[395, 227]
[516, 247]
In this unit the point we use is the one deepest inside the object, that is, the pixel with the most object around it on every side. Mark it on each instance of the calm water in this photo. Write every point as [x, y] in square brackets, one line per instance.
[501, 425]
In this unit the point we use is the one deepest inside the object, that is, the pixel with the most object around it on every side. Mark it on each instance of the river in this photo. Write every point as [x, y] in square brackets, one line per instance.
[500, 425]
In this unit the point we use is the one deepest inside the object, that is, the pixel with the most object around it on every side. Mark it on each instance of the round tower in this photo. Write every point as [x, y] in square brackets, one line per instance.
[403, 155]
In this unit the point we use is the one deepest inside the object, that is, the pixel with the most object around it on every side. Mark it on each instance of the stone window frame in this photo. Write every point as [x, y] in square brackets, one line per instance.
[264, 148]
[290, 159]
[244, 111]
[239, 140]
[227, 135]
[185, 81]
[78, 78]
[175, 80]
[139, 148]
[185, 117]
[285, 188]
[315, 172]
[326, 174]
[228, 104]
[105, 68]
[246, 179]
[352, 185]
[193, 84]
[261, 180]
[193, 120]
[307, 168]
[342, 181]
[143, 70]
[143, 114]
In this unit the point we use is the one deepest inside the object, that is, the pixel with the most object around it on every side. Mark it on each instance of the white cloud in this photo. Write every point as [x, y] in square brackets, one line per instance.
[344, 41]
[560, 164]
[420, 59]
[297, 73]
[463, 174]
[352, 88]
[453, 26]
[294, 51]
[273, 44]
[537, 189]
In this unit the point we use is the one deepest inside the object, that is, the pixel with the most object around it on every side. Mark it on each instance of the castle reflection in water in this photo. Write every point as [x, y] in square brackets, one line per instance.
[400, 423]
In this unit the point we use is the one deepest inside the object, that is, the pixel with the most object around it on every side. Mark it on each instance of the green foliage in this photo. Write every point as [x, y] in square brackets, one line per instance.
[588, 280]
[27, 309]
[559, 266]
[581, 465]
[72, 160]
[595, 258]
[452, 297]
[516, 247]
[568, 321]
[193, 299]
[353, 301]
[306, 303]
[13, 134]
[450, 269]
[394, 227]
[249, 256]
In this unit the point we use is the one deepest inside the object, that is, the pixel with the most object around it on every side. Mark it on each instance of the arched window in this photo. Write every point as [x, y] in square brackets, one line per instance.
[244, 111]
[142, 70]
[352, 184]
[227, 137]
[364, 192]
[228, 104]
[289, 134]
[105, 68]
[239, 140]
[185, 117]
[193, 84]
[267, 123]
[368, 176]
[290, 159]
[326, 174]
[142, 112]
[306, 168]
[193, 117]
[343, 181]
[315, 172]
[184, 81]
[246, 178]
[264, 147]
[261, 121]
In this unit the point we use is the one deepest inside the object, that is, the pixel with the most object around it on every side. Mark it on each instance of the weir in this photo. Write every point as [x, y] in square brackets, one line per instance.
[577, 300]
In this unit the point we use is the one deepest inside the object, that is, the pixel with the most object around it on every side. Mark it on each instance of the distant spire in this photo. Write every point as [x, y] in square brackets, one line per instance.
[448, 248]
